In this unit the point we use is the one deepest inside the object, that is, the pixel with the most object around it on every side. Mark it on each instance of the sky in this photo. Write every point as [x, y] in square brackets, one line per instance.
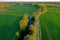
[29, 0]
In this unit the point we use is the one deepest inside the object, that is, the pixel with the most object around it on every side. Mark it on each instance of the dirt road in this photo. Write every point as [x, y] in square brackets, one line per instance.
[38, 30]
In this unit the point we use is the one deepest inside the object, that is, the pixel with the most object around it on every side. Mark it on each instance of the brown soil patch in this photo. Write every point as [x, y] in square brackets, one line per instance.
[3, 10]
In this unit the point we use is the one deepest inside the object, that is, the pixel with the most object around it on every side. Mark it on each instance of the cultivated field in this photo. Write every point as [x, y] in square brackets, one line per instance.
[9, 20]
[49, 22]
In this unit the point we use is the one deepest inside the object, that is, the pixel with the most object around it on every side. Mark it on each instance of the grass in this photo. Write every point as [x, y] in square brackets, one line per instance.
[50, 24]
[9, 20]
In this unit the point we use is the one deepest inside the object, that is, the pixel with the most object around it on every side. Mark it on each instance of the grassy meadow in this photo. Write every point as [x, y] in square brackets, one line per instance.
[49, 22]
[9, 20]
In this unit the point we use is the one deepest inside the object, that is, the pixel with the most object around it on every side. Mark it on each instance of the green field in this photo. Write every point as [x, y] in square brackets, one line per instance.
[9, 20]
[50, 24]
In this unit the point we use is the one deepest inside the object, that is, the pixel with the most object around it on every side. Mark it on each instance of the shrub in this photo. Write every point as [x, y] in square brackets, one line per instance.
[30, 37]
[23, 22]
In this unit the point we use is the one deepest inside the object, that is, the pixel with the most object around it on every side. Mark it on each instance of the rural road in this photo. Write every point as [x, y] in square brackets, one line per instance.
[38, 29]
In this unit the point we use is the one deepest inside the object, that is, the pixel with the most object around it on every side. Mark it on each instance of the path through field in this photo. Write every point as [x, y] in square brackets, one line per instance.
[38, 30]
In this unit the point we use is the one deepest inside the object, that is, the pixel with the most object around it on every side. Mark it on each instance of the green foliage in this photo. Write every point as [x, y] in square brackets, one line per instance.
[30, 37]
